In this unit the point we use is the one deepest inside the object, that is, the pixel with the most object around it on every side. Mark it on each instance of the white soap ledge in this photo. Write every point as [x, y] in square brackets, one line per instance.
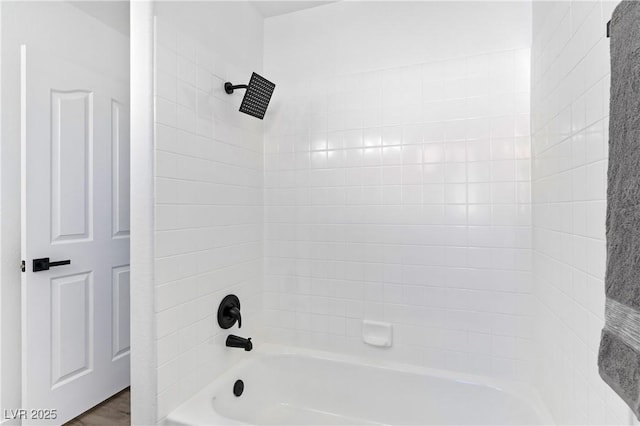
[377, 333]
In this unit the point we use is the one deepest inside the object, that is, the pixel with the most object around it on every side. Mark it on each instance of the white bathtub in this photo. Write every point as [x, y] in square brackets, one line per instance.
[288, 386]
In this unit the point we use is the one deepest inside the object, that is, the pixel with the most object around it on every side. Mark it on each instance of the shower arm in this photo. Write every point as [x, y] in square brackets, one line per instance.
[229, 88]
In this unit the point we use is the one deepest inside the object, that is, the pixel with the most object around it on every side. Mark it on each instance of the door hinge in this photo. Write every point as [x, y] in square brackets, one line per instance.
[23, 266]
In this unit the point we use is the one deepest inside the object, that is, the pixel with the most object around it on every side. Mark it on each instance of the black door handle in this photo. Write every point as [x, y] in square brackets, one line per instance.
[43, 264]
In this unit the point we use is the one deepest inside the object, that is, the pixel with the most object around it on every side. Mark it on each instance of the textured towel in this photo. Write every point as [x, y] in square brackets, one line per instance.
[619, 355]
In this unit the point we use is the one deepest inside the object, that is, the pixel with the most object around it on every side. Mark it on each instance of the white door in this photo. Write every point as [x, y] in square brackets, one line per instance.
[75, 207]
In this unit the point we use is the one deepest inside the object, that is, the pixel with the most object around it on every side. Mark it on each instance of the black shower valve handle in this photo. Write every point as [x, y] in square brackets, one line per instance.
[235, 313]
[229, 312]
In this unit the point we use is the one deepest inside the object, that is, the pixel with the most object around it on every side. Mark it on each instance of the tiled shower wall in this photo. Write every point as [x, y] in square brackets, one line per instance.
[400, 194]
[570, 88]
[209, 191]
[396, 187]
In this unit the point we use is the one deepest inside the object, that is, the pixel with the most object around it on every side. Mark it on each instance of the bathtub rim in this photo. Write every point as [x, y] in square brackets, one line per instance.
[193, 407]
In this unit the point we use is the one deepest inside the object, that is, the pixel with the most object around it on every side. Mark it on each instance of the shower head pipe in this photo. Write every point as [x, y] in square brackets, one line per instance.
[229, 88]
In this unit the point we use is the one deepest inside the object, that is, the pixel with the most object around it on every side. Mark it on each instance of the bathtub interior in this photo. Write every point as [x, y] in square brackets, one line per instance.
[301, 387]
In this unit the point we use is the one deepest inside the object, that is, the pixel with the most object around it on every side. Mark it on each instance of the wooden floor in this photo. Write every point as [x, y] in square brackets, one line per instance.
[115, 411]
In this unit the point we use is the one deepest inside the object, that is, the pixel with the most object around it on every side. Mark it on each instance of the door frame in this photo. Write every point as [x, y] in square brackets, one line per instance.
[143, 361]
[144, 389]
[10, 177]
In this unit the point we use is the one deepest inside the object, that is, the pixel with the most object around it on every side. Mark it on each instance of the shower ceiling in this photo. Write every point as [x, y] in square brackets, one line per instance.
[275, 8]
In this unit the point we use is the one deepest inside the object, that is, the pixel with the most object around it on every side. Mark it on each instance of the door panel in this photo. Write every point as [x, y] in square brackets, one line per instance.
[75, 147]
[120, 172]
[71, 165]
[121, 312]
[71, 327]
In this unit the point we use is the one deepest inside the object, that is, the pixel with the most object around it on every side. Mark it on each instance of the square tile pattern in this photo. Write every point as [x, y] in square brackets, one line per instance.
[403, 195]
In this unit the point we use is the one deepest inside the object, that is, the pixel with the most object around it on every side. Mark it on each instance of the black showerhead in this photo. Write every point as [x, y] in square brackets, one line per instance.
[256, 98]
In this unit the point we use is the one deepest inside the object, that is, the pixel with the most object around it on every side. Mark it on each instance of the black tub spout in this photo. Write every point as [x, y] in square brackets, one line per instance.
[239, 342]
